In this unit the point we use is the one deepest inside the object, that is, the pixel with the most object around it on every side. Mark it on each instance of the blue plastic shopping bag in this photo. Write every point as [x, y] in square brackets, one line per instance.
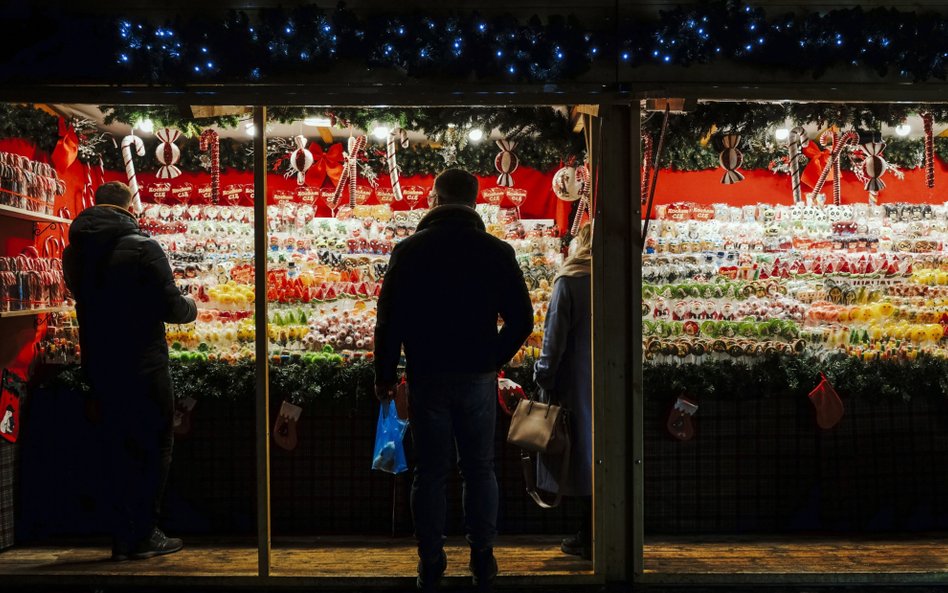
[389, 455]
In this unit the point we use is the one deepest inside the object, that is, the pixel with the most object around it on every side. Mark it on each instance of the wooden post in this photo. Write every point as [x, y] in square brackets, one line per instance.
[637, 411]
[612, 337]
[260, 244]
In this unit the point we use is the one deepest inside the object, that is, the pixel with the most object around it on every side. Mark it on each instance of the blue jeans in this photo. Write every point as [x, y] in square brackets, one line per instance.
[453, 417]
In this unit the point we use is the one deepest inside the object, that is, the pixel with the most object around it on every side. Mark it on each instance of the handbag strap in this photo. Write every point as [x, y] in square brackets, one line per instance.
[529, 466]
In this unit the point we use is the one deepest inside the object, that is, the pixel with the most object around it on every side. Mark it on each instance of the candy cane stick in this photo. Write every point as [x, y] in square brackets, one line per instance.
[402, 138]
[127, 143]
[847, 138]
[210, 139]
[928, 121]
[795, 160]
[582, 174]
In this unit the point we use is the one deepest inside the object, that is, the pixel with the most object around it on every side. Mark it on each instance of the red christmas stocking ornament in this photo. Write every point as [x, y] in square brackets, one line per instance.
[829, 408]
[285, 434]
[681, 419]
[183, 408]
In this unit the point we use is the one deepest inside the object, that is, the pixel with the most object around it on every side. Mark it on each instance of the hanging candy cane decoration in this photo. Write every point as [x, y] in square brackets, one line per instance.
[506, 162]
[87, 197]
[127, 143]
[731, 158]
[301, 160]
[583, 177]
[396, 136]
[928, 121]
[874, 167]
[647, 159]
[211, 140]
[350, 170]
[795, 160]
[838, 143]
[168, 153]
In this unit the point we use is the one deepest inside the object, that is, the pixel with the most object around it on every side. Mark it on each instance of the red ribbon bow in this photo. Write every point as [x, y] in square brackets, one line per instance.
[327, 164]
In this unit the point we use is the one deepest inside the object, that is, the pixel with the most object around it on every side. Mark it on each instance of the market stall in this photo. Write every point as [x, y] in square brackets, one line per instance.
[344, 186]
[794, 323]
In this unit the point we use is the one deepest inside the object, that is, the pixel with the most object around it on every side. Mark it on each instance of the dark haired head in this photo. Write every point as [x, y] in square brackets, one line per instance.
[456, 186]
[115, 193]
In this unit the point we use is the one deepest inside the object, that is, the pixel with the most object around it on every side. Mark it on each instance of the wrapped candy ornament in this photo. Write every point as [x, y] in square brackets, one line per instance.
[874, 167]
[168, 153]
[731, 158]
[506, 162]
[301, 160]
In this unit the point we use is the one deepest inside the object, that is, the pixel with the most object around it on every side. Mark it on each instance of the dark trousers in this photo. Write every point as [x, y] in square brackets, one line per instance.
[137, 414]
[452, 420]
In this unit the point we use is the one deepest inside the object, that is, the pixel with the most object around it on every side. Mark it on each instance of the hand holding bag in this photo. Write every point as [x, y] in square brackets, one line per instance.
[540, 428]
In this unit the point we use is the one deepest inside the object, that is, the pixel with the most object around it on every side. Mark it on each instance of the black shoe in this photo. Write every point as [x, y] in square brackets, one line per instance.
[483, 568]
[577, 545]
[429, 574]
[158, 544]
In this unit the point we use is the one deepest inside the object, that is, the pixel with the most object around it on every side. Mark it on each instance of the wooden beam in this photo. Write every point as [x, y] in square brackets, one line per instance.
[576, 113]
[260, 240]
[636, 412]
[611, 340]
[219, 110]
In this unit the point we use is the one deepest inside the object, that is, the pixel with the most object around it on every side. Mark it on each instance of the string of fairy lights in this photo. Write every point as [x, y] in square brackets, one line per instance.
[310, 39]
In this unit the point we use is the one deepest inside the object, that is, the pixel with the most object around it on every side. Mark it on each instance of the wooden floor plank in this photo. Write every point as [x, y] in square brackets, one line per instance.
[313, 557]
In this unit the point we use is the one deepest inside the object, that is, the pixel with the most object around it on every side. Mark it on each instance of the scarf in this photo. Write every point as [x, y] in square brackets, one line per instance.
[578, 264]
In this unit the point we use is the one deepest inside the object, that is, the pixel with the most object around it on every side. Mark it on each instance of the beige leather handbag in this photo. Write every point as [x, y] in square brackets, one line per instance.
[540, 428]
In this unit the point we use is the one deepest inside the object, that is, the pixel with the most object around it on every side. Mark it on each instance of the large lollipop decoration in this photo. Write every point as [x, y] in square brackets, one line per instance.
[397, 136]
[210, 140]
[168, 153]
[127, 143]
[731, 158]
[301, 160]
[506, 162]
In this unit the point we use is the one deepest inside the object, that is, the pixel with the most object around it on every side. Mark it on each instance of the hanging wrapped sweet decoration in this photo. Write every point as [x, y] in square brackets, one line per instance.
[211, 141]
[301, 160]
[167, 153]
[731, 158]
[585, 192]
[795, 159]
[397, 136]
[127, 143]
[928, 122]
[874, 166]
[648, 157]
[351, 169]
[506, 162]
[849, 138]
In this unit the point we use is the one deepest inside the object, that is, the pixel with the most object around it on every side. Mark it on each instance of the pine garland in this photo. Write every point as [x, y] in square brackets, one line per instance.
[766, 377]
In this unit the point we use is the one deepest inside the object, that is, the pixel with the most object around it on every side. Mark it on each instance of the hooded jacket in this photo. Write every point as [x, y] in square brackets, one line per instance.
[441, 297]
[124, 291]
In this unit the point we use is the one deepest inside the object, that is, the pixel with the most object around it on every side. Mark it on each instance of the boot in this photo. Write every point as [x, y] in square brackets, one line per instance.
[429, 573]
[577, 545]
[158, 544]
[483, 569]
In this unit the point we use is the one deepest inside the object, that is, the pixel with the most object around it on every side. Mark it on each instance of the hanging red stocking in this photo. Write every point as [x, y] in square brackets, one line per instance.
[681, 419]
[829, 408]
[183, 409]
[12, 394]
[285, 433]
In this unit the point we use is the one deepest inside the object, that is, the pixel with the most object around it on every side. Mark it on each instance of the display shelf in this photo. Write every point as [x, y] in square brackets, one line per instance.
[28, 312]
[22, 214]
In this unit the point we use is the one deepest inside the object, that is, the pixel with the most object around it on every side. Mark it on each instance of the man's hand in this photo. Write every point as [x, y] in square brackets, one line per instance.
[384, 392]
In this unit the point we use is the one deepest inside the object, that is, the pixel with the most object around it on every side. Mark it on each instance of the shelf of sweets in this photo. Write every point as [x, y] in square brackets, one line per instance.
[31, 215]
[755, 294]
[324, 276]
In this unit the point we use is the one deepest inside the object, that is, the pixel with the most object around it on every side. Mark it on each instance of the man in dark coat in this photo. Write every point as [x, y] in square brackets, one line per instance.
[125, 293]
[441, 297]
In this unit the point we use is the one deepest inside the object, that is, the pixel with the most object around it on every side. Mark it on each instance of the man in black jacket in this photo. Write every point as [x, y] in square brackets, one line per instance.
[441, 297]
[125, 293]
